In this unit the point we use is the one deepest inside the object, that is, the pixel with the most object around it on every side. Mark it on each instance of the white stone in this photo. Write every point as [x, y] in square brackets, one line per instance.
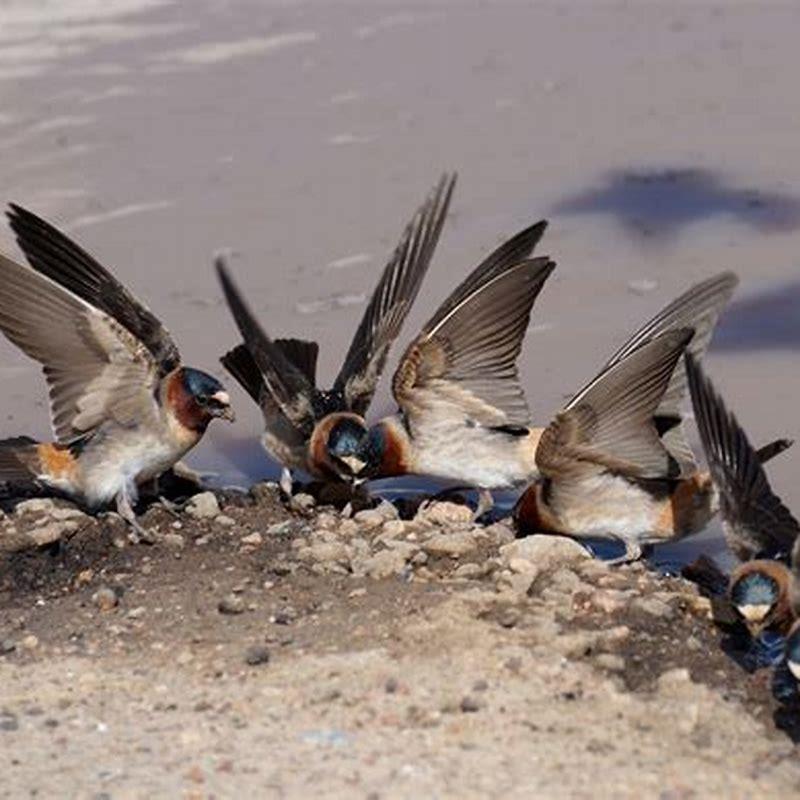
[203, 506]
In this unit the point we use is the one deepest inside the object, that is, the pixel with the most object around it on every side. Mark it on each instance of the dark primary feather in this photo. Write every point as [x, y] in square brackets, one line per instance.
[244, 369]
[747, 503]
[466, 359]
[288, 385]
[610, 424]
[96, 369]
[768, 451]
[698, 308]
[392, 300]
[52, 253]
[513, 251]
[302, 354]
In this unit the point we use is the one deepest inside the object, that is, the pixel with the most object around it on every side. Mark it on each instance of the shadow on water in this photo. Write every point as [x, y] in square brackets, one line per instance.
[767, 320]
[656, 204]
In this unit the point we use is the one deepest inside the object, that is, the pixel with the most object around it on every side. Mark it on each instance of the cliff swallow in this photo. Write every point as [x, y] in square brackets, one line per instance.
[615, 462]
[463, 415]
[123, 407]
[757, 525]
[309, 428]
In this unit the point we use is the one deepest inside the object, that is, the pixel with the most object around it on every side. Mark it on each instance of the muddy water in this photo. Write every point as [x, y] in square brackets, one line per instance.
[661, 142]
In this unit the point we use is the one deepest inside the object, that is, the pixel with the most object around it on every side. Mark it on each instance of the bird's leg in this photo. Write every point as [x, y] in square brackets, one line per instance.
[633, 552]
[171, 506]
[485, 504]
[125, 509]
[186, 473]
[286, 482]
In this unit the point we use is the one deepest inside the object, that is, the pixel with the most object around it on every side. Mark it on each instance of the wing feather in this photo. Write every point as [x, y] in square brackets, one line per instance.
[392, 300]
[52, 253]
[747, 503]
[698, 308]
[96, 370]
[610, 427]
[288, 386]
[464, 362]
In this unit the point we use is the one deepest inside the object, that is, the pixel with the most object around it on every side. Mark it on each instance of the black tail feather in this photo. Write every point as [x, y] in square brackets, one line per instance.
[241, 365]
[302, 354]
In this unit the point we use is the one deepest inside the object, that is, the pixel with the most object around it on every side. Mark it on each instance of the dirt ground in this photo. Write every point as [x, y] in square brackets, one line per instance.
[244, 651]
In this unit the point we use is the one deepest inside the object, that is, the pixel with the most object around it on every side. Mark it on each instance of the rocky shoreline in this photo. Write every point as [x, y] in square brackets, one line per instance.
[253, 643]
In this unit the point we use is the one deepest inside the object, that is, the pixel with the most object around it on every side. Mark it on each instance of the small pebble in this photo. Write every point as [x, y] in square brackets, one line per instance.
[8, 722]
[391, 685]
[470, 704]
[203, 506]
[231, 604]
[256, 654]
[173, 540]
[252, 539]
[105, 598]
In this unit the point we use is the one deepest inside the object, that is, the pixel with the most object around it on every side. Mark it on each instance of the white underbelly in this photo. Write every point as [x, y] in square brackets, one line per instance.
[610, 507]
[476, 457]
[124, 460]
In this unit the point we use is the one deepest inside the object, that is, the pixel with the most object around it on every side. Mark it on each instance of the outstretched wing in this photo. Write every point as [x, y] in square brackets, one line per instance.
[288, 386]
[747, 503]
[96, 370]
[463, 364]
[609, 426]
[698, 308]
[55, 255]
[392, 299]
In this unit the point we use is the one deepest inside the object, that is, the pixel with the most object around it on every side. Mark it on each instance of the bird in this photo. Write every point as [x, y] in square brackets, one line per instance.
[614, 463]
[463, 415]
[758, 527]
[123, 407]
[305, 427]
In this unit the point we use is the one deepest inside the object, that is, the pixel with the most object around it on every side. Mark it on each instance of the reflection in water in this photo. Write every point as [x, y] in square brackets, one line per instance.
[657, 204]
[765, 320]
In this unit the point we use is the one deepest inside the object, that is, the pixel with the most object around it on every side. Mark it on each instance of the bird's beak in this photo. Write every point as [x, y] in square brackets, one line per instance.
[225, 410]
[754, 618]
[355, 464]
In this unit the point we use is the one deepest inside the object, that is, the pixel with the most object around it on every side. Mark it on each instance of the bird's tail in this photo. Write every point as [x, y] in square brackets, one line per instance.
[19, 459]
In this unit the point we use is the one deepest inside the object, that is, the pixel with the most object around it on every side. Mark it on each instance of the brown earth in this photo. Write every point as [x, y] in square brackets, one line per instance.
[216, 661]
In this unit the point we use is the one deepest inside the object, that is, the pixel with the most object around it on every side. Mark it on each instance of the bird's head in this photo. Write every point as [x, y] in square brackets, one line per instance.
[758, 593]
[197, 397]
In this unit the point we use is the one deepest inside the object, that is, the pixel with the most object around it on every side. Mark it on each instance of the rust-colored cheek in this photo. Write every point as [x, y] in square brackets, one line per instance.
[57, 462]
[185, 408]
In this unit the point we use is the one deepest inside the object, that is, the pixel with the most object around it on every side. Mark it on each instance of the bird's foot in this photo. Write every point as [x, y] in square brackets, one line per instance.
[485, 504]
[138, 534]
[171, 506]
[633, 552]
[185, 472]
